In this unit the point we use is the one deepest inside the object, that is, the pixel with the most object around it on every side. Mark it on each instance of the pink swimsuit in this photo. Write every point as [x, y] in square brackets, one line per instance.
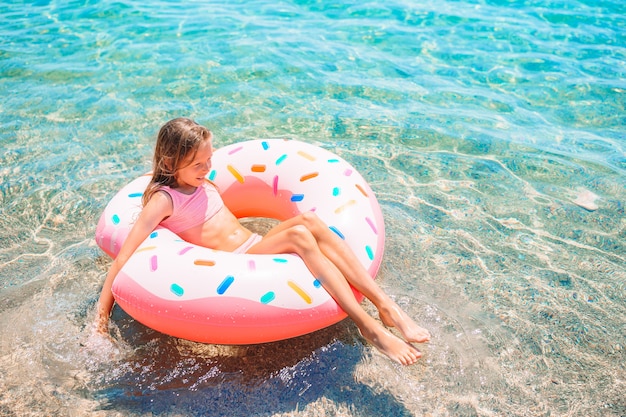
[252, 240]
[190, 210]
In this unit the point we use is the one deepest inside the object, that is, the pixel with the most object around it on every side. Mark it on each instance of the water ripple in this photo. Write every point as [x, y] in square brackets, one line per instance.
[492, 132]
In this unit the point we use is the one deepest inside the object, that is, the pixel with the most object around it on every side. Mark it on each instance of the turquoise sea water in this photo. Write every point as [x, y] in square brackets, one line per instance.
[492, 132]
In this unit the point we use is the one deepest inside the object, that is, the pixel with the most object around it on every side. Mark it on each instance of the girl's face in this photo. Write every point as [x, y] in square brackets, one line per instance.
[195, 169]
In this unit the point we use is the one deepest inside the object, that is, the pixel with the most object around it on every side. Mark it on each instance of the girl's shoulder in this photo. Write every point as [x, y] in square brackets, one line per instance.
[210, 185]
[159, 207]
[162, 196]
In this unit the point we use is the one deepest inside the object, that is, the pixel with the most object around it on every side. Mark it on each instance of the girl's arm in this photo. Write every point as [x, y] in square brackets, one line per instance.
[158, 208]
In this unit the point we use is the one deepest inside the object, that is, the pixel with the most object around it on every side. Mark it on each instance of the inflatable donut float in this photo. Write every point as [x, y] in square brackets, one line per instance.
[211, 296]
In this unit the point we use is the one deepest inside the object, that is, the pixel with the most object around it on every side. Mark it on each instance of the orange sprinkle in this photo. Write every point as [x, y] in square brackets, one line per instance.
[308, 176]
[203, 262]
[307, 299]
[235, 173]
[306, 155]
[258, 168]
[361, 190]
[144, 249]
[345, 206]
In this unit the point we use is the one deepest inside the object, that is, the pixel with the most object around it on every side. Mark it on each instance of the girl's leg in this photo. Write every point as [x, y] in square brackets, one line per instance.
[298, 239]
[340, 254]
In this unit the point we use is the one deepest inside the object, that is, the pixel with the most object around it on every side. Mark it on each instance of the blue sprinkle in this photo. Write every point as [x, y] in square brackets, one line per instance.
[265, 145]
[280, 260]
[135, 195]
[370, 253]
[268, 297]
[212, 175]
[153, 235]
[281, 159]
[225, 284]
[297, 197]
[116, 219]
[334, 229]
[336, 191]
[317, 283]
[332, 161]
[177, 290]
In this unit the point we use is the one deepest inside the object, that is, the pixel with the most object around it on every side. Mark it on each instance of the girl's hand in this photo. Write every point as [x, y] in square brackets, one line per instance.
[102, 323]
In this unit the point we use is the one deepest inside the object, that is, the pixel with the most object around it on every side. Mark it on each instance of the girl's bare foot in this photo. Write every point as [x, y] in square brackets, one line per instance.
[393, 316]
[388, 344]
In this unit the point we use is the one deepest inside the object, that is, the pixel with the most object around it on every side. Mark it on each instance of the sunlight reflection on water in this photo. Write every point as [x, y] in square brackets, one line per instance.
[491, 132]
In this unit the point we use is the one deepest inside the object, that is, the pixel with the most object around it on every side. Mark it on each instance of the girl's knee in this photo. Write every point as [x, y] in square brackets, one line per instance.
[311, 220]
[301, 237]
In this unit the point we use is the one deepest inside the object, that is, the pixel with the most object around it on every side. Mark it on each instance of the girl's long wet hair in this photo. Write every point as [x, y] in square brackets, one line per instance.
[177, 142]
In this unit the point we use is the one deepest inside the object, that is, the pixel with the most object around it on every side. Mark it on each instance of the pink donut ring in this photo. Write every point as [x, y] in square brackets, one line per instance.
[210, 296]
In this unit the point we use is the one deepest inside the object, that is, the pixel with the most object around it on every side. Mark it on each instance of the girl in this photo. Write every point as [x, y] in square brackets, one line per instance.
[180, 198]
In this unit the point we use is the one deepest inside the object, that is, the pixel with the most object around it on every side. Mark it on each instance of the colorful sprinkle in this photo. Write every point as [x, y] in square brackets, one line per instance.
[308, 176]
[281, 159]
[333, 160]
[177, 290]
[336, 191]
[265, 145]
[306, 155]
[317, 283]
[307, 299]
[235, 150]
[221, 289]
[212, 175]
[185, 250]
[280, 260]
[204, 262]
[347, 172]
[345, 206]
[334, 229]
[145, 249]
[153, 263]
[153, 235]
[297, 197]
[372, 225]
[135, 195]
[235, 173]
[370, 253]
[116, 219]
[361, 189]
[275, 185]
[258, 168]
[268, 297]
[251, 265]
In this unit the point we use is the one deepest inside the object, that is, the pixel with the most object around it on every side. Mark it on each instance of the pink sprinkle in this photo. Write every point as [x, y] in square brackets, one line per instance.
[251, 265]
[347, 172]
[276, 185]
[372, 225]
[185, 250]
[153, 263]
[235, 150]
